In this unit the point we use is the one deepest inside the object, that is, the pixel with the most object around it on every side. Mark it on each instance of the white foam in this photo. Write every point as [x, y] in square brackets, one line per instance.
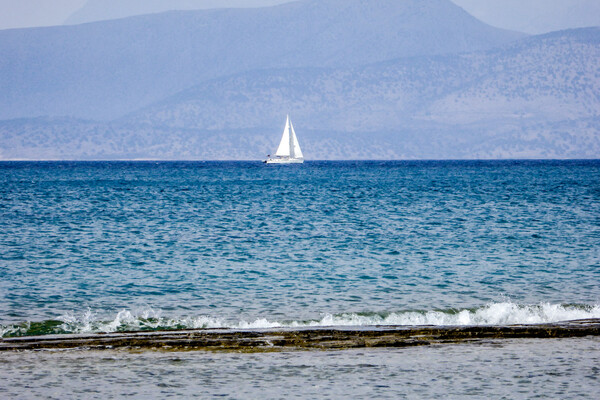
[124, 320]
[504, 313]
[7, 330]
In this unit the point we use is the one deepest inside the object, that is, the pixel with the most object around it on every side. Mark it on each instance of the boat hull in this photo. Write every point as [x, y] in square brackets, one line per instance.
[284, 161]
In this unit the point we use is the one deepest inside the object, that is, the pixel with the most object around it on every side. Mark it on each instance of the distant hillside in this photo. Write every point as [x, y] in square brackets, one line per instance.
[537, 98]
[108, 69]
[548, 78]
[71, 139]
[51, 139]
[530, 16]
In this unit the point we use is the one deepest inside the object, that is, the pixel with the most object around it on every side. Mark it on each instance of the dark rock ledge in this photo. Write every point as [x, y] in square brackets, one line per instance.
[262, 340]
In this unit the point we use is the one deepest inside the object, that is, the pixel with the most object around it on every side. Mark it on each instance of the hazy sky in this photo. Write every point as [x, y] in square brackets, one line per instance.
[532, 16]
[28, 13]
[535, 16]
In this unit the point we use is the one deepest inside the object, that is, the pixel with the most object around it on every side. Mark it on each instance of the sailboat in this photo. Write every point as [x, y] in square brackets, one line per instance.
[289, 151]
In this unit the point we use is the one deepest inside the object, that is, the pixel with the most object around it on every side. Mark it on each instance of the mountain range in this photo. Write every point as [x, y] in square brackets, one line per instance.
[107, 69]
[99, 10]
[398, 79]
[530, 16]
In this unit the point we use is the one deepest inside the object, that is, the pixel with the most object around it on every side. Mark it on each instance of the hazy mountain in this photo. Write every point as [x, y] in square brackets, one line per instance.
[72, 139]
[98, 10]
[537, 98]
[531, 16]
[107, 69]
[551, 77]
[548, 78]
[362, 80]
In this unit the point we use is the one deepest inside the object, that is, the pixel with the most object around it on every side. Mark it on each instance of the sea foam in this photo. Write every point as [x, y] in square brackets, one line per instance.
[504, 313]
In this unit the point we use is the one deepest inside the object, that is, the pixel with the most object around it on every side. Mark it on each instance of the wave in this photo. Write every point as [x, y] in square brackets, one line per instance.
[506, 313]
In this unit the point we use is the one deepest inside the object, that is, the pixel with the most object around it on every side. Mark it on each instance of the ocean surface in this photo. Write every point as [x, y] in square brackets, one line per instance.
[112, 246]
[116, 246]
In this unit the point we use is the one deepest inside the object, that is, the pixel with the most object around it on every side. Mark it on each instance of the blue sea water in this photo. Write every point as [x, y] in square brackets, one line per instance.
[108, 246]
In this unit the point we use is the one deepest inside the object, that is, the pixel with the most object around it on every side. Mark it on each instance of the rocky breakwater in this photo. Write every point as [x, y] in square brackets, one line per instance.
[321, 338]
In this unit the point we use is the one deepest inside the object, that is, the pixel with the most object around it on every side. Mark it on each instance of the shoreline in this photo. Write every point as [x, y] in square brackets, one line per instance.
[286, 339]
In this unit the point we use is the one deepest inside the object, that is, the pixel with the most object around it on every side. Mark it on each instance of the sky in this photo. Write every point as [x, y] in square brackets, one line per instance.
[531, 16]
[31, 13]
[535, 16]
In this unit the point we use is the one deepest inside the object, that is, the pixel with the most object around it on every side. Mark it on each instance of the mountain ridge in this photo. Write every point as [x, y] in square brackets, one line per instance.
[97, 10]
[401, 87]
[104, 70]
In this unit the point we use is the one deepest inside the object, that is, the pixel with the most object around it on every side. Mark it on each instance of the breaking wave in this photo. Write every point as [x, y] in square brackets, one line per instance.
[506, 313]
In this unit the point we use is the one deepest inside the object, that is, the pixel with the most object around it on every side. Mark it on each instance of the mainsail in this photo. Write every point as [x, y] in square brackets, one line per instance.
[284, 149]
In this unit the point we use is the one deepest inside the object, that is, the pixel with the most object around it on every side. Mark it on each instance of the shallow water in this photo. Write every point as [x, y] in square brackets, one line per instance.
[113, 246]
[515, 369]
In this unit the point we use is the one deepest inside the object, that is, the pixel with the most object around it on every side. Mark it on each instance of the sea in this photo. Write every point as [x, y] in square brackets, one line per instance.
[118, 246]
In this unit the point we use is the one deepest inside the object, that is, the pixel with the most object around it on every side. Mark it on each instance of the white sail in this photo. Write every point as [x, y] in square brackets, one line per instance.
[295, 144]
[284, 146]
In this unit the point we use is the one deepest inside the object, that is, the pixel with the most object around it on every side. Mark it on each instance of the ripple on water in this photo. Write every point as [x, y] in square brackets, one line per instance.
[236, 241]
[549, 368]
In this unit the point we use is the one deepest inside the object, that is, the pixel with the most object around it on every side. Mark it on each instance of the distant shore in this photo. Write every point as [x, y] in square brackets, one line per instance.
[326, 338]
